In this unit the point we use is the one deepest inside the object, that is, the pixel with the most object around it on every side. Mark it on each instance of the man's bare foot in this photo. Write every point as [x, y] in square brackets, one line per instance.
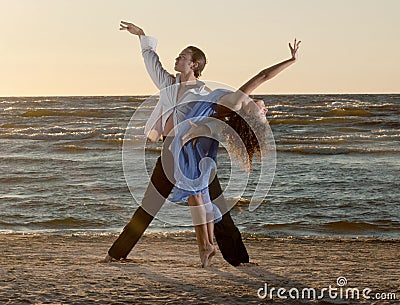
[206, 255]
[249, 264]
[107, 259]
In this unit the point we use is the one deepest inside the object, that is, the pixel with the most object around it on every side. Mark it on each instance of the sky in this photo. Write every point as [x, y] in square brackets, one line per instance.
[74, 47]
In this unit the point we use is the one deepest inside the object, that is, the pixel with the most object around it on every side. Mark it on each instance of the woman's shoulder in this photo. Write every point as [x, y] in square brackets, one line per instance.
[218, 93]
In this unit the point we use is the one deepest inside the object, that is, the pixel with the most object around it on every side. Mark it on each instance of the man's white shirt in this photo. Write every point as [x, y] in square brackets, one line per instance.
[169, 87]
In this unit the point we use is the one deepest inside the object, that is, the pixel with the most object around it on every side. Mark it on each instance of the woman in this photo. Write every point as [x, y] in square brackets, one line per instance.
[195, 150]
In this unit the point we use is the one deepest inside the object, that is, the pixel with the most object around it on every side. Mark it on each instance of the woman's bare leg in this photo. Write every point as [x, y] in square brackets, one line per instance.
[210, 231]
[198, 211]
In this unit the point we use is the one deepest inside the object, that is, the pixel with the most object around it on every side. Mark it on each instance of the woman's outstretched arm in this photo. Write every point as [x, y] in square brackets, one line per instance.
[235, 100]
[270, 72]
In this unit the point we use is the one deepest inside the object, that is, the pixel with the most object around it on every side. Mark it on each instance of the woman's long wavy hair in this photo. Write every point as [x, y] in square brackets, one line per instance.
[251, 131]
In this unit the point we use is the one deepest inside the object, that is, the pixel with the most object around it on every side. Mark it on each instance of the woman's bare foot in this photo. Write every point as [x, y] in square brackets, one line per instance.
[212, 254]
[206, 255]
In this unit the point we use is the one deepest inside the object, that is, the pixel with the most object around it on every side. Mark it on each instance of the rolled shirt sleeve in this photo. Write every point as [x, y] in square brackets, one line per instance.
[160, 77]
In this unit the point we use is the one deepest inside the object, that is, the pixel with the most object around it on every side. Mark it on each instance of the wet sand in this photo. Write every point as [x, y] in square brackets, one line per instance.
[165, 269]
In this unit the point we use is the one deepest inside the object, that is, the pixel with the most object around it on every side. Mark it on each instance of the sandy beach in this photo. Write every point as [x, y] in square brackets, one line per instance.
[165, 269]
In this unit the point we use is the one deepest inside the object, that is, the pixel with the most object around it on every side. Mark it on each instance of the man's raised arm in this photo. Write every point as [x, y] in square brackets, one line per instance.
[160, 77]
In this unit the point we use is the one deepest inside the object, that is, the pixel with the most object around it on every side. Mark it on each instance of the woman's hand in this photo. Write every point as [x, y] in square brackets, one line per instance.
[294, 49]
[131, 28]
[194, 132]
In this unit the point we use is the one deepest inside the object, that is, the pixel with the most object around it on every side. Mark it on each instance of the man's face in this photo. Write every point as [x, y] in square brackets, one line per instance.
[184, 63]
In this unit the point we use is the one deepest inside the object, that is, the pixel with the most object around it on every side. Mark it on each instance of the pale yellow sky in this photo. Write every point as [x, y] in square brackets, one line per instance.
[74, 47]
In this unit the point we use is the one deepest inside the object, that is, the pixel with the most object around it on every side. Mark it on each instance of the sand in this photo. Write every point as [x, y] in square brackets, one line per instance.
[165, 269]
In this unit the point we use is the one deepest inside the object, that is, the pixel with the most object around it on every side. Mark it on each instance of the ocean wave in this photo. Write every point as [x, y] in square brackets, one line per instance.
[95, 113]
[49, 136]
[338, 227]
[32, 179]
[333, 150]
[339, 112]
[316, 140]
[36, 159]
[354, 226]
[60, 223]
[351, 129]
[10, 125]
[352, 138]
[76, 148]
[17, 101]
[314, 121]
[280, 226]
[61, 133]
[338, 108]
[66, 223]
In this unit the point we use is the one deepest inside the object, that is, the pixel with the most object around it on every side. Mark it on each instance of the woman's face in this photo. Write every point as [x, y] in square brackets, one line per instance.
[184, 63]
[256, 108]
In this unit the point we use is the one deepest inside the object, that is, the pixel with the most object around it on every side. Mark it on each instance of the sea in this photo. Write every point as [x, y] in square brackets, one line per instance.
[337, 167]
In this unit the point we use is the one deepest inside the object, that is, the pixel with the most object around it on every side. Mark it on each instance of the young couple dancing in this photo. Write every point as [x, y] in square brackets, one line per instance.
[190, 118]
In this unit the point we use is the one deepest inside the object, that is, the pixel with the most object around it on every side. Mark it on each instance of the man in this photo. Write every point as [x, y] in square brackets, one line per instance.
[174, 90]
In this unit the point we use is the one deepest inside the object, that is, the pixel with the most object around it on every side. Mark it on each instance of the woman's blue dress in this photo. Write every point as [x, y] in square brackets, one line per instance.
[194, 163]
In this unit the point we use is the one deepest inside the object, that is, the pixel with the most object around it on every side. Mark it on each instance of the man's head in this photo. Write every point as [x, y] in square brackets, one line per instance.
[191, 58]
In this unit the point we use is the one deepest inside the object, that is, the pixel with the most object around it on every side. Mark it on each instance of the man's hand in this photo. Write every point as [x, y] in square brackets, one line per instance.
[131, 28]
[294, 49]
[194, 132]
[153, 136]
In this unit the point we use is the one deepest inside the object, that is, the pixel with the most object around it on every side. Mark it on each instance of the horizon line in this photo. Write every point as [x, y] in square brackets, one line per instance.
[127, 95]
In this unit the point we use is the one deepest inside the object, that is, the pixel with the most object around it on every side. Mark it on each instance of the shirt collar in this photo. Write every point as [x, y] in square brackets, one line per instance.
[198, 90]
